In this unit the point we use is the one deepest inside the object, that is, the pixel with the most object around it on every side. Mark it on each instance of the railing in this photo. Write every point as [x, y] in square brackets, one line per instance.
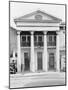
[41, 44]
[25, 44]
[51, 43]
[38, 44]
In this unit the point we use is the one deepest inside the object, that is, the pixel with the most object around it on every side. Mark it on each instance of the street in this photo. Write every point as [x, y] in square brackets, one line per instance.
[40, 79]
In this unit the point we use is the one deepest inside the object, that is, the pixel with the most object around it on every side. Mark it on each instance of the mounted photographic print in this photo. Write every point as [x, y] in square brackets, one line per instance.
[37, 44]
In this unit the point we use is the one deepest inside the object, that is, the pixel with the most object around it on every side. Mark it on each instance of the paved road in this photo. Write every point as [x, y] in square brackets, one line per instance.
[44, 79]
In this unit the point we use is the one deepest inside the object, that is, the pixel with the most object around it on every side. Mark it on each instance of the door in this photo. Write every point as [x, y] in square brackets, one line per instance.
[39, 60]
[26, 61]
[51, 61]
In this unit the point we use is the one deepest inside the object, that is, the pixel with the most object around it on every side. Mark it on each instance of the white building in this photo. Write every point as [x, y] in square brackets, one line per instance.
[38, 42]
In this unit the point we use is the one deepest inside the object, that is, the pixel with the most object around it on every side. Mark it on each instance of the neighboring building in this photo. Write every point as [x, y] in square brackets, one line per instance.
[62, 47]
[38, 41]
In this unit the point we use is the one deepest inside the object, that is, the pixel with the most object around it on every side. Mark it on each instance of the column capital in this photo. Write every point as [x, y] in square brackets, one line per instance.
[32, 32]
[45, 32]
[18, 32]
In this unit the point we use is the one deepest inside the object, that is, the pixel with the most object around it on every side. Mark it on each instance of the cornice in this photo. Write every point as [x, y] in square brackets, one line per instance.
[36, 21]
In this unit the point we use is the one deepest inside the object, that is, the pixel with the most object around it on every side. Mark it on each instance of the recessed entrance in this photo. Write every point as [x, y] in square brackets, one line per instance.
[26, 61]
[51, 61]
[39, 60]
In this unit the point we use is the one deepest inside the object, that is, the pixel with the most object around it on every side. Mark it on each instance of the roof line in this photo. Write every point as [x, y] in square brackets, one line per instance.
[39, 11]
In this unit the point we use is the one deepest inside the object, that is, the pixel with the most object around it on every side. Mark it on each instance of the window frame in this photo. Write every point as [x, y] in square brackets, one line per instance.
[22, 37]
[41, 37]
[26, 38]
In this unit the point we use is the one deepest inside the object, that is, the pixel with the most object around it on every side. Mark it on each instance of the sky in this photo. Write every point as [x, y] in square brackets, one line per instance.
[21, 9]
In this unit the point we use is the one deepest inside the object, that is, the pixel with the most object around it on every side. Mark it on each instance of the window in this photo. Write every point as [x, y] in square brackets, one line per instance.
[39, 60]
[38, 17]
[39, 38]
[35, 38]
[51, 61]
[50, 38]
[26, 61]
[25, 41]
[24, 38]
[28, 38]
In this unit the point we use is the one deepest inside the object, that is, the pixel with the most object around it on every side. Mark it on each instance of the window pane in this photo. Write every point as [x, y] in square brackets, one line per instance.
[28, 38]
[23, 38]
[35, 38]
[39, 38]
[50, 38]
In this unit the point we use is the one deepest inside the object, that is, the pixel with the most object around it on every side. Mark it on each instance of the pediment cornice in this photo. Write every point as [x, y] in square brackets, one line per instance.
[37, 17]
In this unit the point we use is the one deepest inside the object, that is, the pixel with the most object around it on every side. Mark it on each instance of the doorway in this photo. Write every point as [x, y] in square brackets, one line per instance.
[39, 61]
[26, 61]
[51, 61]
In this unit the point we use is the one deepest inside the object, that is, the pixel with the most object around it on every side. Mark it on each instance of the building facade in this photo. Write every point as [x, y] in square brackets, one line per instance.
[38, 42]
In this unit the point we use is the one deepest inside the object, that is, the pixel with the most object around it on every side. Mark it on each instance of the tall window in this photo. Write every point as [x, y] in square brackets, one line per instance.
[25, 40]
[35, 38]
[51, 40]
[38, 40]
[51, 61]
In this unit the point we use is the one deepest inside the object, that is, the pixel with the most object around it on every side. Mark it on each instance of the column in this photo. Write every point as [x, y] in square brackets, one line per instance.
[57, 53]
[45, 64]
[14, 57]
[14, 54]
[18, 53]
[32, 63]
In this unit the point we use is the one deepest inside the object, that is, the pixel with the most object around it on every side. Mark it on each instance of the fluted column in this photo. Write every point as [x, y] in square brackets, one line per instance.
[45, 64]
[57, 53]
[18, 53]
[32, 64]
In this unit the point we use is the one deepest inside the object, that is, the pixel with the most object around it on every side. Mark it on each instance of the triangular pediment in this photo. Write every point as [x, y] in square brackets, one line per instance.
[38, 16]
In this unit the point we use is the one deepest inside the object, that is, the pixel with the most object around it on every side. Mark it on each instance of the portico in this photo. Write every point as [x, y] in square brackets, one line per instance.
[38, 43]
